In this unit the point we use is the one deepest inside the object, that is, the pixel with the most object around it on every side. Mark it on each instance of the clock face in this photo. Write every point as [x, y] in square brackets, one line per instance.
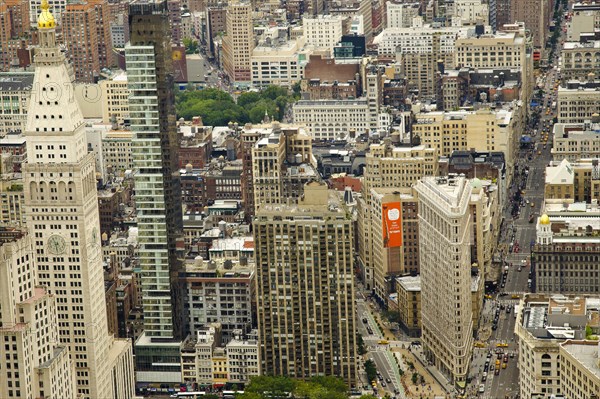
[56, 244]
[94, 235]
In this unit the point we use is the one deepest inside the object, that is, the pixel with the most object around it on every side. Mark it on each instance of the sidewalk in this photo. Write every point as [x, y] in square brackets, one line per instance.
[432, 388]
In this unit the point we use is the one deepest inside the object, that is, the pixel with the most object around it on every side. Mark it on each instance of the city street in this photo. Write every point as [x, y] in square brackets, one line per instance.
[517, 237]
[380, 354]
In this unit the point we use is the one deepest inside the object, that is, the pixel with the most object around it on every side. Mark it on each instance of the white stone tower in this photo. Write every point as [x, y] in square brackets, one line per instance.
[544, 230]
[61, 205]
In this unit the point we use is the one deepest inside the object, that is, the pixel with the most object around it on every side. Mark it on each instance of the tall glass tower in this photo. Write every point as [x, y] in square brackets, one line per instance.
[157, 187]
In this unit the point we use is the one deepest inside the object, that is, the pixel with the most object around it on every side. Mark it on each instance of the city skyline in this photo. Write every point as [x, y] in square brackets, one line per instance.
[354, 199]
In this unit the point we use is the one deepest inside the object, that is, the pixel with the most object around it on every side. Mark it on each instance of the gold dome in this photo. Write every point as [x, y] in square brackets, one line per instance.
[544, 219]
[46, 19]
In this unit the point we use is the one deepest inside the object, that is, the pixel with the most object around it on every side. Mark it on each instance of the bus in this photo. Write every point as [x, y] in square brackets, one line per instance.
[516, 310]
[231, 394]
[383, 342]
[190, 395]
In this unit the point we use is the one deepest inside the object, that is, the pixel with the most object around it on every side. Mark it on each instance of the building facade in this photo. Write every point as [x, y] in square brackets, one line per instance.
[219, 294]
[579, 58]
[536, 14]
[15, 91]
[280, 64]
[564, 255]
[323, 31]
[86, 33]
[573, 182]
[62, 208]
[306, 323]
[284, 162]
[445, 224]
[390, 169]
[576, 141]
[238, 43]
[482, 130]
[543, 324]
[577, 102]
[400, 15]
[159, 214]
[115, 99]
[31, 351]
[331, 119]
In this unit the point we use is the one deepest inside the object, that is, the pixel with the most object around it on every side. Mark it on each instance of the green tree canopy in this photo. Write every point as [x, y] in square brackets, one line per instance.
[371, 370]
[216, 107]
[247, 98]
[270, 387]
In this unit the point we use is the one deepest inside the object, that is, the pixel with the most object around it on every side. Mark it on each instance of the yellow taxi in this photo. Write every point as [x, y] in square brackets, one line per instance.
[502, 345]
[503, 365]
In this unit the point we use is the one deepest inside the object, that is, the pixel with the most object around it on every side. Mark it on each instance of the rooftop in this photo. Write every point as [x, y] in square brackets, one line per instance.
[584, 130]
[555, 317]
[560, 174]
[337, 103]
[586, 352]
[410, 283]
[578, 45]
[233, 244]
[16, 81]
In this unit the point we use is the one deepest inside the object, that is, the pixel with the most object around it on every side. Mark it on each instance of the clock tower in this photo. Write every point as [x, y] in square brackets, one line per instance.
[61, 205]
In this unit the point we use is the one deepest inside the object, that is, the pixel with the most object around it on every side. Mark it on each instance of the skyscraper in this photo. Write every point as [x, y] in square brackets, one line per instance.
[238, 42]
[79, 30]
[305, 289]
[86, 34]
[5, 35]
[34, 363]
[148, 59]
[445, 226]
[61, 205]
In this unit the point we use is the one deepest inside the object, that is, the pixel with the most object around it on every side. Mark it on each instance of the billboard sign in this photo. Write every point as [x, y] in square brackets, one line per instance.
[392, 224]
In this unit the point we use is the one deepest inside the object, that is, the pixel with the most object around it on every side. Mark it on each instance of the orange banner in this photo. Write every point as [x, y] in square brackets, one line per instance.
[392, 224]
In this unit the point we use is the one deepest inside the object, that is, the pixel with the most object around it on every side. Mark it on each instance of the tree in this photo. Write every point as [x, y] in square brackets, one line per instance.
[414, 378]
[332, 384]
[248, 98]
[249, 395]
[273, 92]
[211, 396]
[392, 316]
[191, 46]
[371, 370]
[360, 343]
[297, 88]
[217, 107]
[257, 113]
[278, 387]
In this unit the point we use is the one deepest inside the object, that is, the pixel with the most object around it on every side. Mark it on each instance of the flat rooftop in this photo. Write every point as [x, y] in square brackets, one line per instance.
[586, 353]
